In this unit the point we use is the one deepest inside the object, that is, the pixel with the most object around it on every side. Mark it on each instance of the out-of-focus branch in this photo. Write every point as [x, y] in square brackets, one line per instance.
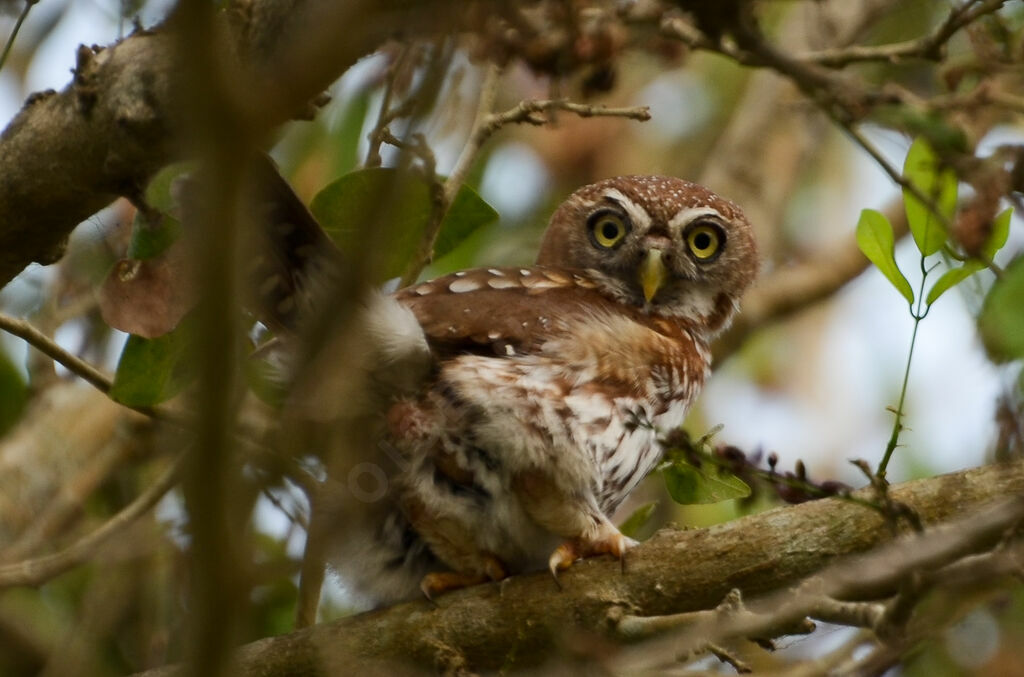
[772, 134]
[790, 290]
[250, 438]
[68, 154]
[522, 620]
[926, 47]
[843, 99]
[529, 112]
[37, 571]
[485, 125]
[29, 4]
[67, 502]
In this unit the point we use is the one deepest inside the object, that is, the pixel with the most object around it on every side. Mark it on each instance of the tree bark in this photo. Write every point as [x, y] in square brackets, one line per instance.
[524, 620]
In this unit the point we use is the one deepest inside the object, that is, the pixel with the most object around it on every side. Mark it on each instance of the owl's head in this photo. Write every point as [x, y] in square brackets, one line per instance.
[661, 244]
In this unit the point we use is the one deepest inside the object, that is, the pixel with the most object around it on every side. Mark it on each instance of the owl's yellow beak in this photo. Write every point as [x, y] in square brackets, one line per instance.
[652, 273]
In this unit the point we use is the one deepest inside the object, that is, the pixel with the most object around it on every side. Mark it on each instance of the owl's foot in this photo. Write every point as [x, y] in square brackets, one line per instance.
[445, 581]
[609, 542]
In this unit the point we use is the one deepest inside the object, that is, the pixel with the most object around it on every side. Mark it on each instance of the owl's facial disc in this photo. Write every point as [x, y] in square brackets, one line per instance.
[662, 244]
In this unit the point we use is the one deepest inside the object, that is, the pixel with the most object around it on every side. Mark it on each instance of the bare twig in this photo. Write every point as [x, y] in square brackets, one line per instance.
[488, 93]
[443, 198]
[49, 347]
[37, 571]
[528, 112]
[726, 656]
[14, 31]
[1005, 99]
[388, 114]
[731, 609]
[926, 47]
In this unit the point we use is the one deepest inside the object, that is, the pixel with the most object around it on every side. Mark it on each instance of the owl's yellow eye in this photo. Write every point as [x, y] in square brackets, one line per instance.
[705, 241]
[607, 229]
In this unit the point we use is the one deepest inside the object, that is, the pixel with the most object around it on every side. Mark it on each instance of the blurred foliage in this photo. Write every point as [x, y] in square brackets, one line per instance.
[400, 205]
[1002, 322]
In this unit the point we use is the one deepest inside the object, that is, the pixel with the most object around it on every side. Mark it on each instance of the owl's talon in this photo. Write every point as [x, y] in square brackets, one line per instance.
[563, 557]
[446, 581]
[612, 543]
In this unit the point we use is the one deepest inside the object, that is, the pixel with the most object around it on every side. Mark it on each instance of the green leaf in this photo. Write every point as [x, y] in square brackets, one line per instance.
[1002, 316]
[153, 370]
[468, 212]
[875, 239]
[637, 519]
[400, 204]
[1000, 233]
[158, 190]
[951, 278]
[687, 484]
[13, 393]
[149, 240]
[922, 169]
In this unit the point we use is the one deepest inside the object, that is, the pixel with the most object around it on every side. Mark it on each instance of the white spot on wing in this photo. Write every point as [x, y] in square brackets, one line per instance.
[540, 283]
[555, 276]
[460, 286]
[584, 282]
[502, 283]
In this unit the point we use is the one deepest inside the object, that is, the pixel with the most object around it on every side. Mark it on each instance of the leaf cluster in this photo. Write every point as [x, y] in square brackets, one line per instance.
[930, 202]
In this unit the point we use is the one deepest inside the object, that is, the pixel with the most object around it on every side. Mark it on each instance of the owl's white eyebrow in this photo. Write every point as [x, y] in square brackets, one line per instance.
[690, 214]
[637, 214]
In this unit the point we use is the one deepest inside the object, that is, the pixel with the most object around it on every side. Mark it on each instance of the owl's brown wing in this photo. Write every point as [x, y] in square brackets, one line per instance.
[504, 311]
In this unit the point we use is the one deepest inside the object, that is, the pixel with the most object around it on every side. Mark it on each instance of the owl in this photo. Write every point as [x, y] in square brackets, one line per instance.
[516, 408]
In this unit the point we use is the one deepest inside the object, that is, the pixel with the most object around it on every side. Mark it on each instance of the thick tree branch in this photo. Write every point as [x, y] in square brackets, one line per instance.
[524, 619]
